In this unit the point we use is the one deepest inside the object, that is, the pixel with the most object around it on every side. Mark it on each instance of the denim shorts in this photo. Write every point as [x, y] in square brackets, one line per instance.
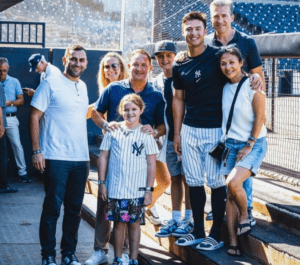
[251, 162]
[174, 164]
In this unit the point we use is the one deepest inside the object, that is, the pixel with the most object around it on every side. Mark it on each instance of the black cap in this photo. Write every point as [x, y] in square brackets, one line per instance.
[164, 46]
[34, 61]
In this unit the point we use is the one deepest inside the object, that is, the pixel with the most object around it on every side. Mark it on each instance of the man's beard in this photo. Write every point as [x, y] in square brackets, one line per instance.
[73, 73]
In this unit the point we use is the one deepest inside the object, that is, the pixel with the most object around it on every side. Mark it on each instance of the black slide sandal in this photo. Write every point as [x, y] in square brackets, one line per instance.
[236, 249]
[241, 227]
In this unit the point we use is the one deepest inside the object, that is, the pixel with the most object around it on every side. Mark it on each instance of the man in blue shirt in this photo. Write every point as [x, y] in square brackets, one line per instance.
[4, 188]
[152, 117]
[222, 16]
[14, 98]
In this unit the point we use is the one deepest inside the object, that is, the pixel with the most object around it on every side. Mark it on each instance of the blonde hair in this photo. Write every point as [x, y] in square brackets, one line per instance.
[103, 82]
[134, 98]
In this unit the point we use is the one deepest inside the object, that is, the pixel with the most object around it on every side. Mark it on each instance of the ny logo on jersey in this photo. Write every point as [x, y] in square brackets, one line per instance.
[198, 75]
[137, 149]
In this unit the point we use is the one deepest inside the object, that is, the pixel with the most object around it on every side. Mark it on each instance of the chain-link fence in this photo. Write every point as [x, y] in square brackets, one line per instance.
[168, 15]
[283, 116]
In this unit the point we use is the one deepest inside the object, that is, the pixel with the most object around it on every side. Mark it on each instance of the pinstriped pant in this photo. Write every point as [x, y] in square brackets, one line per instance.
[198, 165]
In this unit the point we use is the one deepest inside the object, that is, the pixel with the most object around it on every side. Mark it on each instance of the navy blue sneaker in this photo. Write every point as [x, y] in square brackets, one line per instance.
[184, 228]
[117, 261]
[70, 259]
[167, 229]
[49, 260]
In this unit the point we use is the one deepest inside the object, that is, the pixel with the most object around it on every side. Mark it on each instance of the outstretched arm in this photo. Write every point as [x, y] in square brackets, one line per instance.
[99, 120]
[102, 170]
[259, 108]
[38, 160]
[178, 113]
[151, 170]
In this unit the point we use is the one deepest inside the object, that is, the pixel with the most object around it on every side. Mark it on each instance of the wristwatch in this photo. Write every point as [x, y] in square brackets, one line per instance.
[150, 189]
[101, 182]
[156, 132]
[252, 138]
[250, 143]
[11, 104]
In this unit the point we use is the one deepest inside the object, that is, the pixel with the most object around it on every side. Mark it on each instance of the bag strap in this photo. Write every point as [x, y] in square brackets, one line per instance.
[233, 103]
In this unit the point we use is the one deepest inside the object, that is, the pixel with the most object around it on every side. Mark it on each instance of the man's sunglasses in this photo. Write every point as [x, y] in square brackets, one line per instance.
[114, 66]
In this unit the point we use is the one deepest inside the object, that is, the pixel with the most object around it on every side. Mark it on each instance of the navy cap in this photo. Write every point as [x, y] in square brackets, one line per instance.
[34, 61]
[164, 46]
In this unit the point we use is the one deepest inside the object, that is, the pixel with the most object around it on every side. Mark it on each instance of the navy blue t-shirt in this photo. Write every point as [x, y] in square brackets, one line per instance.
[246, 45]
[202, 80]
[114, 92]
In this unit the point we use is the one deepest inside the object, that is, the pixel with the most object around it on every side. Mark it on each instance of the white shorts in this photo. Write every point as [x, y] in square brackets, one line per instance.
[199, 167]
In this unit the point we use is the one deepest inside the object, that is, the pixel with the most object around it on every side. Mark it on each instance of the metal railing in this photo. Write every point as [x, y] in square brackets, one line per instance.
[24, 33]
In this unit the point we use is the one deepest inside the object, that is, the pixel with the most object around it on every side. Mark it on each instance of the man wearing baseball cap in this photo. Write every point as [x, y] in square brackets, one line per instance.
[164, 54]
[38, 64]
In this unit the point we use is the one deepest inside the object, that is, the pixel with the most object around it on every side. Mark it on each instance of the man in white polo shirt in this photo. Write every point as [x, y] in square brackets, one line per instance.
[60, 149]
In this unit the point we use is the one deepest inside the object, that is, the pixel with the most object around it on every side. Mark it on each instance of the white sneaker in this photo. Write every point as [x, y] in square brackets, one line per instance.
[125, 259]
[153, 216]
[98, 257]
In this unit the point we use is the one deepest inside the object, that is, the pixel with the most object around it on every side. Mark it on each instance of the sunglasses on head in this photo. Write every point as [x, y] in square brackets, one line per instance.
[114, 66]
[228, 47]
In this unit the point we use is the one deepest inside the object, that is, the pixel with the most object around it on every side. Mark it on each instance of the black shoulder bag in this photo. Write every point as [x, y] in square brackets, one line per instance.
[220, 152]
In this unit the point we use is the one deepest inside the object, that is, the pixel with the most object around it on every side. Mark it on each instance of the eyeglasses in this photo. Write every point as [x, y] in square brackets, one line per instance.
[114, 66]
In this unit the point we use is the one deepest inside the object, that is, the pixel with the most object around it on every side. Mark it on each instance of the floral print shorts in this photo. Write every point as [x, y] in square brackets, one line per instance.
[124, 210]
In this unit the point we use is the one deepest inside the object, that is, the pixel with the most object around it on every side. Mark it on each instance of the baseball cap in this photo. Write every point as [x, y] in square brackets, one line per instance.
[164, 46]
[34, 61]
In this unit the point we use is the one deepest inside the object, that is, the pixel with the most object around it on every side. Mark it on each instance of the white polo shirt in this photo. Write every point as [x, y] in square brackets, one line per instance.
[127, 168]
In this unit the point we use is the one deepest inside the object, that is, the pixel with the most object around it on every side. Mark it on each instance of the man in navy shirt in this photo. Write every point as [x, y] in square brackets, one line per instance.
[152, 117]
[198, 83]
[222, 16]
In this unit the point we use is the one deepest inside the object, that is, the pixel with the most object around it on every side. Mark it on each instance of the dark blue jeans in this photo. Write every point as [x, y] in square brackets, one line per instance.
[3, 163]
[64, 183]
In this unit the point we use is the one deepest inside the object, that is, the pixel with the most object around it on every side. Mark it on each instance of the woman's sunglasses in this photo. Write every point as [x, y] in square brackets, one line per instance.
[114, 66]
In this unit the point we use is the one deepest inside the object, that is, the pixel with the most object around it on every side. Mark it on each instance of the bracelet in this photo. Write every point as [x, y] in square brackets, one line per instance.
[101, 182]
[252, 138]
[36, 152]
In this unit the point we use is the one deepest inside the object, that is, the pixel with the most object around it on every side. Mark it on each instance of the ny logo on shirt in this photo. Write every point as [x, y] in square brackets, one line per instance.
[137, 149]
[198, 75]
